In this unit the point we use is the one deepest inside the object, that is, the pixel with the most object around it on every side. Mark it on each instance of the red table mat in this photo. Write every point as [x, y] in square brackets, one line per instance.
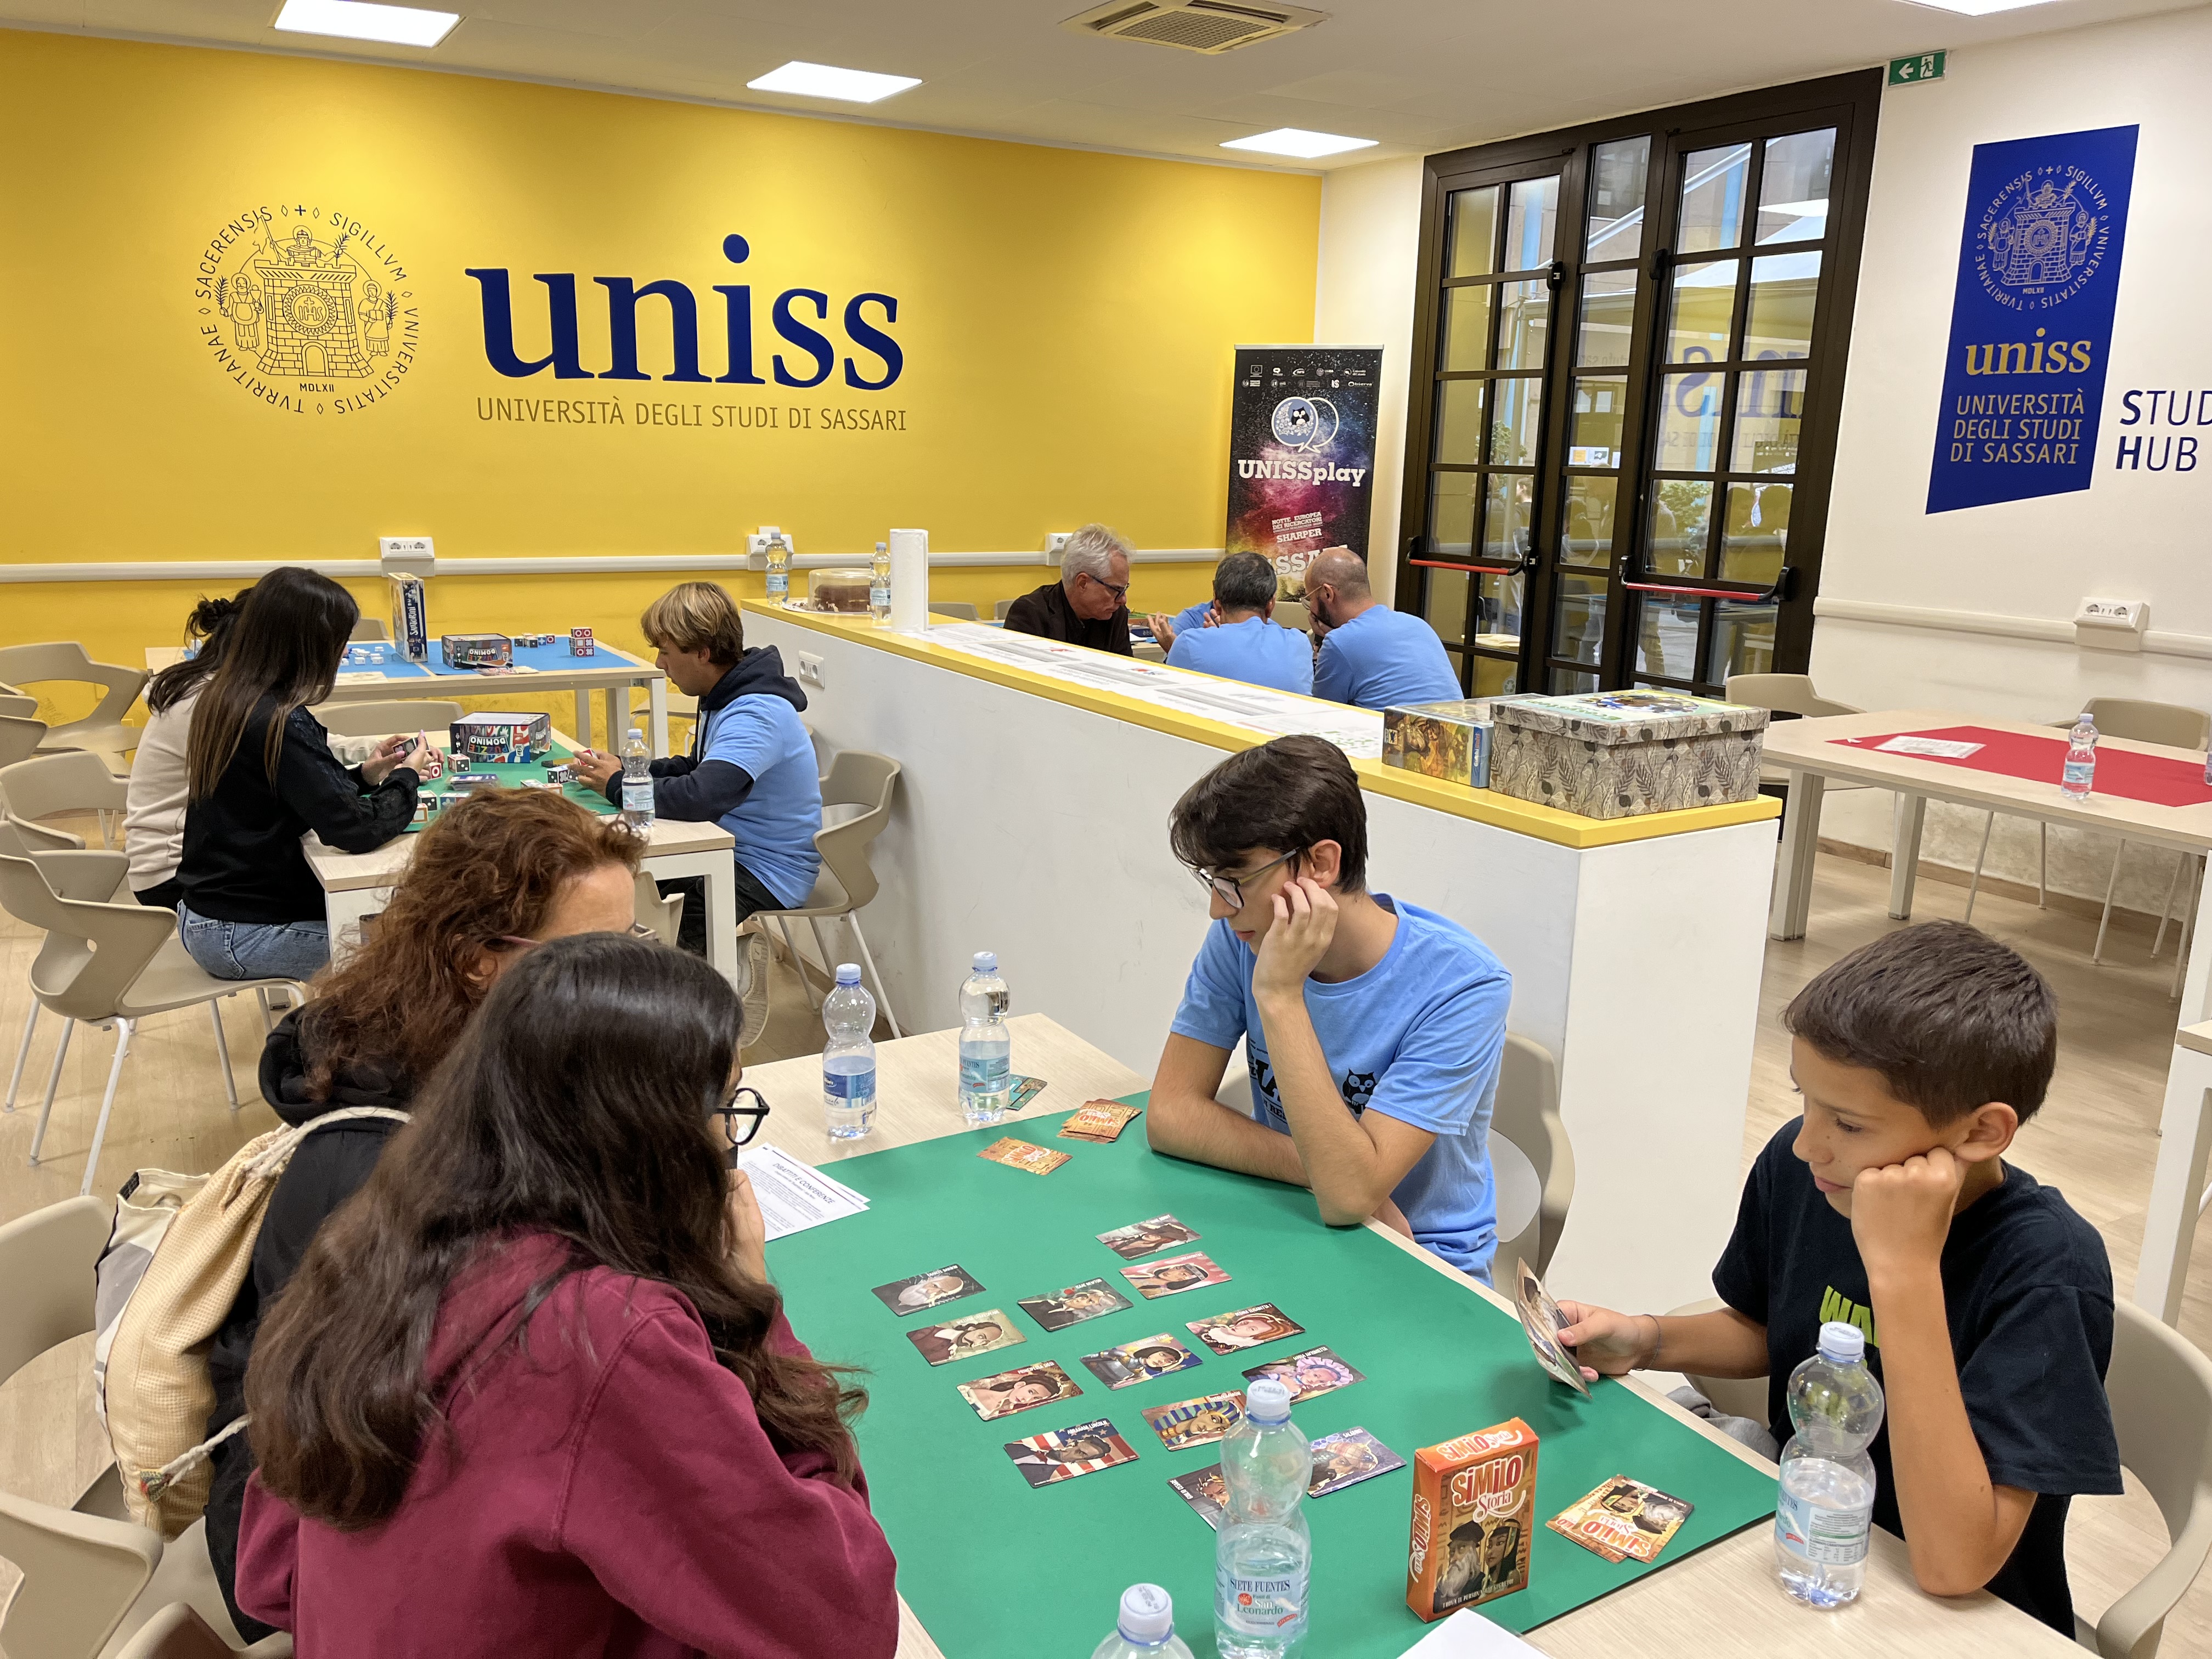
[2155, 778]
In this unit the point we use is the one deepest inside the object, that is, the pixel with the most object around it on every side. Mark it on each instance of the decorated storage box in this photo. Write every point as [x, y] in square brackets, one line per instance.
[1474, 1516]
[411, 618]
[1447, 740]
[502, 739]
[1620, 754]
[475, 650]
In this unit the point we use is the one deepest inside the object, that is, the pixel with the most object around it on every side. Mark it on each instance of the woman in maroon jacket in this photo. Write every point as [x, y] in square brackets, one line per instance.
[531, 1390]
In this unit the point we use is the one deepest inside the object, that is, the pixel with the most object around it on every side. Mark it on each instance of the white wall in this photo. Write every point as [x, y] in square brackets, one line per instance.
[1370, 234]
[2132, 535]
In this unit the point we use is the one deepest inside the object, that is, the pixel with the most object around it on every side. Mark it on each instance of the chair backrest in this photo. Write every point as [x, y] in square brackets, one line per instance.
[80, 1574]
[93, 953]
[378, 720]
[370, 628]
[15, 703]
[20, 734]
[999, 610]
[1784, 693]
[46, 1261]
[65, 660]
[2175, 724]
[26, 838]
[75, 782]
[959, 608]
[1292, 613]
[1739, 1396]
[2159, 1387]
[856, 778]
[1526, 1121]
[178, 1632]
[664, 916]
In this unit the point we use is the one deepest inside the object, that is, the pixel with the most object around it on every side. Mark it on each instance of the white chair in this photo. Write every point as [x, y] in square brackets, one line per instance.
[959, 608]
[847, 882]
[1532, 1162]
[1788, 694]
[107, 964]
[370, 628]
[178, 1632]
[999, 610]
[102, 732]
[381, 719]
[1739, 1396]
[47, 785]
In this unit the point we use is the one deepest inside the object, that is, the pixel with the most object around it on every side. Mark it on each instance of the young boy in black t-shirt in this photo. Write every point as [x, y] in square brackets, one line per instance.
[1986, 1301]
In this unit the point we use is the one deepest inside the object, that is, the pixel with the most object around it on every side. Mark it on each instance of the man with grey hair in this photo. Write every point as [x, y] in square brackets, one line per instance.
[1088, 605]
[1244, 643]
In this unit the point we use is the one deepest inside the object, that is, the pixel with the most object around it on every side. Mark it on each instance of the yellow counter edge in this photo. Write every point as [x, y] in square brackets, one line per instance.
[1480, 806]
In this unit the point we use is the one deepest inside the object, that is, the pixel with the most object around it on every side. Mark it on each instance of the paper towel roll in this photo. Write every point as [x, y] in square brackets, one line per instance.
[910, 551]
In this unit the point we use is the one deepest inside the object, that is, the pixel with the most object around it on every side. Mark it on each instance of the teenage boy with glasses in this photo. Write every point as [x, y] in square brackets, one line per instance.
[1373, 1029]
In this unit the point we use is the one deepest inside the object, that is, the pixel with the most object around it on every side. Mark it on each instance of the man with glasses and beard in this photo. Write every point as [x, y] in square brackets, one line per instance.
[1374, 1028]
[1090, 603]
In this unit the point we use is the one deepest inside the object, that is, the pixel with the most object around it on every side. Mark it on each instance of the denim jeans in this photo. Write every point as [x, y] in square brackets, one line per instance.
[256, 950]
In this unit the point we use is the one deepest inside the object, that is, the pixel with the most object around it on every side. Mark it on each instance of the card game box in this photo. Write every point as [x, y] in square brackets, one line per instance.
[411, 618]
[475, 650]
[1473, 1513]
[1446, 740]
[502, 739]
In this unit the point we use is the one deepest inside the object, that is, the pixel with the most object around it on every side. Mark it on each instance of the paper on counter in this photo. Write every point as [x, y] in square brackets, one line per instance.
[1941, 748]
[794, 1196]
[1467, 1635]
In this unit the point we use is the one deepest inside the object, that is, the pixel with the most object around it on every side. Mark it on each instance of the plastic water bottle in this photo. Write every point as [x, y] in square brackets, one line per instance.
[1263, 1554]
[986, 1046]
[778, 554]
[2080, 768]
[637, 783]
[1826, 1503]
[1146, 1629]
[879, 587]
[849, 1063]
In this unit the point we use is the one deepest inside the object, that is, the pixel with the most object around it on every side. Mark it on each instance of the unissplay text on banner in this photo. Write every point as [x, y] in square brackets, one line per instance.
[1302, 453]
[2032, 318]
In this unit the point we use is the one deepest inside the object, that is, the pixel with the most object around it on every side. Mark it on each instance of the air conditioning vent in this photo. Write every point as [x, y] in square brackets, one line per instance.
[1207, 26]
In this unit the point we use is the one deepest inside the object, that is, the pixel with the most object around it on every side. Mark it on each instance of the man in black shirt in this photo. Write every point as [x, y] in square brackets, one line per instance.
[1088, 605]
[1986, 1301]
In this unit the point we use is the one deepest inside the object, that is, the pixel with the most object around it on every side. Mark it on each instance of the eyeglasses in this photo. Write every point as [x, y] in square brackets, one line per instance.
[735, 1107]
[1230, 889]
[1120, 592]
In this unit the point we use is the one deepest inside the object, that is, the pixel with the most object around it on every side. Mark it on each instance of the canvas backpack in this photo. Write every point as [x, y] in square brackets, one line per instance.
[180, 1249]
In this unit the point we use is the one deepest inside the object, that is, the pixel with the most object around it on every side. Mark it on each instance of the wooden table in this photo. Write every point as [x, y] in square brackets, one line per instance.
[611, 673]
[1806, 749]
[1721, 1601]
[356, 885]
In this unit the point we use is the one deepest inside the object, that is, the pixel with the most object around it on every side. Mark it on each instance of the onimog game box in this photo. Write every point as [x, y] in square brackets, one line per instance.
[502, 739]
[1474, 1511]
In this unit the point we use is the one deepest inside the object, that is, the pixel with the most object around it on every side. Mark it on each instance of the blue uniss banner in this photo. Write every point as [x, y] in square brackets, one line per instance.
[2031, 319]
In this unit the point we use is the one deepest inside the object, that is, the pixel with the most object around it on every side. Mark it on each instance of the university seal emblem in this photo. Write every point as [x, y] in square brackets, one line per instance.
[309, 311]
[2042, 238]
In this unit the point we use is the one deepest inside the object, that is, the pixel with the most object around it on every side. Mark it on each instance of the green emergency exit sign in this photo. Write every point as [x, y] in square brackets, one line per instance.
[1925, 66]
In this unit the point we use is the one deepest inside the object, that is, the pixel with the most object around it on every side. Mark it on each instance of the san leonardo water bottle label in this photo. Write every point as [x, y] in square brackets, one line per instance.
[880, 593]
[855, 1088]
[1275, 1606]
[1831, 1537]
[637, 795]
[984, 1076]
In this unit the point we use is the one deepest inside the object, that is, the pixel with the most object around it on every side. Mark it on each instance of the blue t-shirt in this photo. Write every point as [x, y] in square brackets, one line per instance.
[775, 824]
[1191, 618]
[1382, 658]
[1254, 650]
[1418, 1037]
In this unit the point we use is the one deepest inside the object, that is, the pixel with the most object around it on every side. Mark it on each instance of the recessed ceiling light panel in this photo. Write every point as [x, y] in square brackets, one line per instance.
[1979, 8]
[361, 20]
[1296, 141]
[825, 81]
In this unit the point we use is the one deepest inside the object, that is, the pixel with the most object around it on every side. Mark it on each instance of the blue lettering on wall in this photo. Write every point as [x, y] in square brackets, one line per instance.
[2032, 318]
[624, 294]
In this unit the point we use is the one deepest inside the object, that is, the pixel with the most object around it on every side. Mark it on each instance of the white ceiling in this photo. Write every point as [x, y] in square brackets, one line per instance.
[1417, 74]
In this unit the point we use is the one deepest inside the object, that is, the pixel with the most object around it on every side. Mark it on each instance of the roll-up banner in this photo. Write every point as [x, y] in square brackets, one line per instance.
[1302, 453]
[2032, 318]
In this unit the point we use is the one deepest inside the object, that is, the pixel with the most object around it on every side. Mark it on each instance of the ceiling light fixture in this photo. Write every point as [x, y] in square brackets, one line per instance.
[1296, 141]
[362, 20]
[1978, 8]
[825, 81]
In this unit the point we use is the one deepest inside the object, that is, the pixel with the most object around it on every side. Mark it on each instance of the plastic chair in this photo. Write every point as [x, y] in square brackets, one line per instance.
[22, 708]
[1293, 614]
[847, 882]
[1531, 1160]
[48, 784]
[178, 1632]
[102, 732]
[999, 610]
[21, 734]
[370, 628]
[381, 719]
[663, 914]
[958, 608]
[106, 964]
[1788, 694]
[1739, 1396]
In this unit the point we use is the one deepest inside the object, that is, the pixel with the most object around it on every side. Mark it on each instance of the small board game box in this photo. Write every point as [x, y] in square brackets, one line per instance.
[502, 739]
[410, 618]
[475, 650]
[1446, 740]
[580, 643]
[1474, 1514]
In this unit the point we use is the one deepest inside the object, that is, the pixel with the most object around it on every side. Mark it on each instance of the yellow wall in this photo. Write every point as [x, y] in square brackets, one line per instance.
[1066, 320]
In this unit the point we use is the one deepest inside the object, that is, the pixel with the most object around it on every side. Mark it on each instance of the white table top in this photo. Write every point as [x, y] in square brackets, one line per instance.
[1719, 1602]
[1809, 745]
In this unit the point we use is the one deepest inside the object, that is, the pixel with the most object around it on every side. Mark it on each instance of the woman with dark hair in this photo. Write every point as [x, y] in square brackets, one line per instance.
[534, 1379]
[153, 811]
[500, 873]
[262, 775]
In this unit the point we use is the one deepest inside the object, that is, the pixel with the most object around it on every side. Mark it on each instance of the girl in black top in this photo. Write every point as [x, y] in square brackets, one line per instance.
[262, 775]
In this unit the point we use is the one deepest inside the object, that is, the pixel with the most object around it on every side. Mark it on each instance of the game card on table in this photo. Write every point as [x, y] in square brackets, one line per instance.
[929, 1290]
[1347, 1458]
[1245, 1328]
[1022, 1155]
[1622, 1520]
[1100, 1120]
[1141, 1361]
[1018, 1390]
[1171, 1275]
[1064, 1454]
[971, 1333]
[1317, 1370]
[1199, 1422]
[1071, 1306]
[1142, 1238]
